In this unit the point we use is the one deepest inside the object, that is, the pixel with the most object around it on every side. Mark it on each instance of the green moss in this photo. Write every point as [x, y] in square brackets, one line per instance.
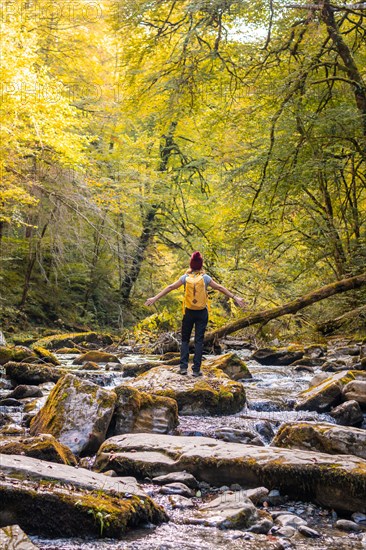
[70, 339]
[42, 447]
[15, 354]
[43, 353]
[64, 513]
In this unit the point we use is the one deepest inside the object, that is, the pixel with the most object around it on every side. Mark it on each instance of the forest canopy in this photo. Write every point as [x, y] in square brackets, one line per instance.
[136, 131]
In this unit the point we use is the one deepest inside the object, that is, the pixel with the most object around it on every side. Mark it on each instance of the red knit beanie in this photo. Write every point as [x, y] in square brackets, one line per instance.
[196, 261]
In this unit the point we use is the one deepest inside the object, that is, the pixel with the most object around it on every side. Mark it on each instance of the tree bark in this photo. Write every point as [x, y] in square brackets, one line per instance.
[290, 307]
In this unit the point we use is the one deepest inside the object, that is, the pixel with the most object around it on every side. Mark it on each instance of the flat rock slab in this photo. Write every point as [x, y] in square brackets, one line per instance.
[13, 538]
[323, 437]
[335, 481]
[25, 467]
[213, 393]
[56, 500]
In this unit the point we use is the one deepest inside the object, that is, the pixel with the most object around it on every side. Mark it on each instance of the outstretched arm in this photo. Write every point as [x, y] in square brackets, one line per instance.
[227, 292]
[166, 290]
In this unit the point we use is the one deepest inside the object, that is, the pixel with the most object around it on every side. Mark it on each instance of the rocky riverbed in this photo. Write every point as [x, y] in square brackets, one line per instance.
[266, 450]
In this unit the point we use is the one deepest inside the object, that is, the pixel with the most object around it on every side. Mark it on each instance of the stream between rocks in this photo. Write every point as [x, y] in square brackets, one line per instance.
[271, 394]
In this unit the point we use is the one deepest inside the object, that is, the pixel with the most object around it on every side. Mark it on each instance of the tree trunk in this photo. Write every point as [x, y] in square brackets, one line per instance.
[334, 324]
[290, 307]
[346, 54]
[167, 148]
[148, 230]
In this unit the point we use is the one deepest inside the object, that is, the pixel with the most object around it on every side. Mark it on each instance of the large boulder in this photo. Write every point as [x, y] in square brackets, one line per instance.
[214, 393]
[17, 354]
[77, 412]
[348, 414]
[325, 395]
[323, 437]
[230, 364]
[96, 356]
[54, 500]
[141, 412]
[336, 481]
[24, 391]
[44, 447]
[278, 356]
[34, 374]
[356, 391]
[57, 341]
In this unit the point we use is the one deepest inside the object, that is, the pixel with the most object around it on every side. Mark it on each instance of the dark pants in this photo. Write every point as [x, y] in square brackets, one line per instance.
[197, 319]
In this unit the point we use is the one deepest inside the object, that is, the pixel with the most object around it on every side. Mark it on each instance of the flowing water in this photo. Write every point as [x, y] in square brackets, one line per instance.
[270, 397]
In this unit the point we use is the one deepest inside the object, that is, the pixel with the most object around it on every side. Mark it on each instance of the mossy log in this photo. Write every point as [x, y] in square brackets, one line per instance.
[263, 317]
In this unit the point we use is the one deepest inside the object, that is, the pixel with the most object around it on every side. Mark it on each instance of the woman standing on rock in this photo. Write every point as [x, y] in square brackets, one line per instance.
[195, 309]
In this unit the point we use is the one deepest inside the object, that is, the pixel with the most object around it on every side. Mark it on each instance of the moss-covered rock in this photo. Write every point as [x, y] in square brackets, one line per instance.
[230, 364]
[90, 365]
[213, 393]
[57, 341]
[77, 412]
[138, 411]
[61, 501]
[46, 355]
[69, 351]
[278, 356]
[323, 437]
[96, 357]
[24, 391]
[325, 395]
[134, 369]
[336, 481]
[16, 354]
[44, 447]
[32, 373]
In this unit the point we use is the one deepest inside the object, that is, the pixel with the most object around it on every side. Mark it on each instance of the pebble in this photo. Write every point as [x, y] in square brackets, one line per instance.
[290, 520]
[177, 477]
[176, 489]
[347, 525]
[274, 497]
[308, 532]
[262, 527]
[358, 517]
[180, 502]
[286, 532]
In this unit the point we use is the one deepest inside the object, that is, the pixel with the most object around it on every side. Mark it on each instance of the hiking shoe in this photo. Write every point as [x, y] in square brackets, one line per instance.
[196, 373]
[182, 371]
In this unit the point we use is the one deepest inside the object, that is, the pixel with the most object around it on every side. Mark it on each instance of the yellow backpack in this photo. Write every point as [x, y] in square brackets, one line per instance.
[195, 293]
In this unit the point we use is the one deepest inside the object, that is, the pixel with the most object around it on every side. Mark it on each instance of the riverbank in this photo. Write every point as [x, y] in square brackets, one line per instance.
[272, 393]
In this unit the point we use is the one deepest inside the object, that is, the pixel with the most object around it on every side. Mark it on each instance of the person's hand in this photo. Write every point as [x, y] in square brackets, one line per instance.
[240, 302]
[150, 301]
